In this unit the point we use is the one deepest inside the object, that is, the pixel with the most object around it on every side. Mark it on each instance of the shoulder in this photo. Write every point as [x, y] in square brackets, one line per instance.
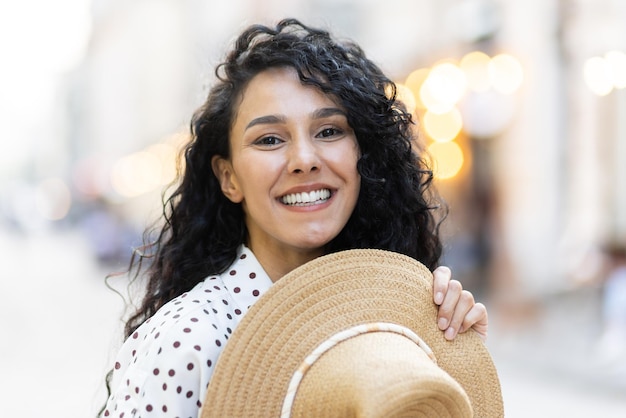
[171, 356]
[185, 323]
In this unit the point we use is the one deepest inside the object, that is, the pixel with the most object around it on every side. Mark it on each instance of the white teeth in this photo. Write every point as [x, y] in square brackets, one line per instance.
[301, 199]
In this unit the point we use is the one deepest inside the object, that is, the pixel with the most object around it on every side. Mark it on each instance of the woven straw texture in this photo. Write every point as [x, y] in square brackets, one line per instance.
[378, 375]
[323, 297]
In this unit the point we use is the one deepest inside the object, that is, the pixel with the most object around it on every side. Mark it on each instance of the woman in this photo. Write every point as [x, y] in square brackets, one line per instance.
[299, 151]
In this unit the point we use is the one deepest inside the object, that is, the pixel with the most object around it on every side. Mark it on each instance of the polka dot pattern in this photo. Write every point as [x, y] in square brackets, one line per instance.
[163, 370]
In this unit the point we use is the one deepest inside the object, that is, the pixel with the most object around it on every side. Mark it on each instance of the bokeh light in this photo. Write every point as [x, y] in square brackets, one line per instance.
[475, 66]
[414, 82]
[166, 153]
[443, 88]
[443, 127]
[136, 174]
[598, 76]
[406, 96]
[505, 73]
[447, 159]
[617, 64]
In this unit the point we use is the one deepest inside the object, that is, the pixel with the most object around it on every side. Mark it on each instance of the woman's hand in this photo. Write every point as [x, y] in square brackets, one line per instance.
[457, 310]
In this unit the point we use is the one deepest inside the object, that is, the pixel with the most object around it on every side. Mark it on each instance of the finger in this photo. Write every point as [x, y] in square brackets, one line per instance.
[448, 306]
[441, 278]
[462, 308]
[477, 319]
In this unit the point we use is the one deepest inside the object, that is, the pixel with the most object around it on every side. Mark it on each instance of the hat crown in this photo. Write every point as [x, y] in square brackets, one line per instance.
[378, 374]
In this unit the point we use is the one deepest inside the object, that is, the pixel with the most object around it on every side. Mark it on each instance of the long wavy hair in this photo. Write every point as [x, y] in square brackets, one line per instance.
[201, 229]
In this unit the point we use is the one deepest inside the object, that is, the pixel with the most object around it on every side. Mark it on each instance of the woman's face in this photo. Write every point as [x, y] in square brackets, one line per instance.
[292, 165]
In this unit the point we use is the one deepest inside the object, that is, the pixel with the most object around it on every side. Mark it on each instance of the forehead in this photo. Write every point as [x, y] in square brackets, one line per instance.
[280, 87]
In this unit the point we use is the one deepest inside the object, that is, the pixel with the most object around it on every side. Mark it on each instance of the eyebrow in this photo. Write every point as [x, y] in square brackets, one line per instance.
[273, 119]
[266, 120]
[327, 111]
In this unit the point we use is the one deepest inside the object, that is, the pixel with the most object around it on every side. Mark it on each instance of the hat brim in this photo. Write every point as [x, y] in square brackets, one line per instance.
[322, 298]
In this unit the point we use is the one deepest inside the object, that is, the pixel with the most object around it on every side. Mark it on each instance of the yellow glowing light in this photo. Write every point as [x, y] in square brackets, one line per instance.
[166, 153]
[443, 127]
[136, 174]
[448, 159]
[505, 73]
[475, 67]
[414, 82]
[598, 76]
[431, 102]
[617, 64]
[179, 139]
[443, 88]
[53, 199]
[405, 95]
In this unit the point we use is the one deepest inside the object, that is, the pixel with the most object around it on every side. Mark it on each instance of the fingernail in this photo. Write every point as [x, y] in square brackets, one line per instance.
[442, 323]
[438, 298]
[450, 334]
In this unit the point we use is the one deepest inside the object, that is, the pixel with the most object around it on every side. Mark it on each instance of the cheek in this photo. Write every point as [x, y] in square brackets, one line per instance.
[258, 172]
[354, 156]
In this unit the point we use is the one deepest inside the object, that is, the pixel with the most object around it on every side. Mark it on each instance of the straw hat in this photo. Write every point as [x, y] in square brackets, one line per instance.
[355, 334]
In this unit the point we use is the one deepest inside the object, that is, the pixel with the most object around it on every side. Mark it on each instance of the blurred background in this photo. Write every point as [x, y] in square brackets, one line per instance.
[521, 104]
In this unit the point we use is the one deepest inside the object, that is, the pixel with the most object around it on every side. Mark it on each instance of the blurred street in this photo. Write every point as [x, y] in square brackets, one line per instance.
[549, 361]
[521, 106]
[60, 329]
[59, 326]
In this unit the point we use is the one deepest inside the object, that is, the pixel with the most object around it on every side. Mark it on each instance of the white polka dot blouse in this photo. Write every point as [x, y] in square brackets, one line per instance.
[163, 369]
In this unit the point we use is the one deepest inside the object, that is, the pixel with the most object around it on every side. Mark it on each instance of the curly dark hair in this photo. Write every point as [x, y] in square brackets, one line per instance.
[202, 229]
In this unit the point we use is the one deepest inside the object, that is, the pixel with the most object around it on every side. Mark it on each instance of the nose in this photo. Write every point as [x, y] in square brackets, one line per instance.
[303, 156]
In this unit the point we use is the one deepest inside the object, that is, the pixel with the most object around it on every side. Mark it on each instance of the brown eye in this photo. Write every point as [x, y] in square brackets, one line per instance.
[268, 141]
[328, 132]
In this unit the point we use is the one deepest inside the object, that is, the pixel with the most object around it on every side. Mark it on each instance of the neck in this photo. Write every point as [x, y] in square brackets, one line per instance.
[278, 262]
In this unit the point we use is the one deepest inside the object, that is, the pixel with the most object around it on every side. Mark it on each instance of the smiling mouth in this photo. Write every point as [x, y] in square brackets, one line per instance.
[314, 197]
